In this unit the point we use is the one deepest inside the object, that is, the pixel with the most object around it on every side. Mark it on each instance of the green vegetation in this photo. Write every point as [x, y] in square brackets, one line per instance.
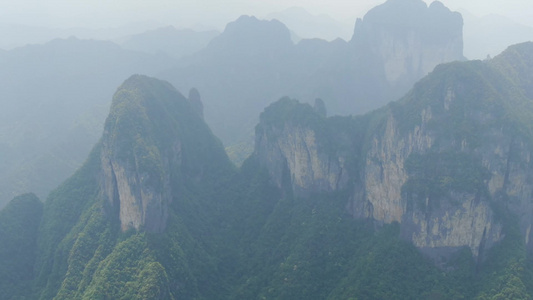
[232, 234]
[436, 175]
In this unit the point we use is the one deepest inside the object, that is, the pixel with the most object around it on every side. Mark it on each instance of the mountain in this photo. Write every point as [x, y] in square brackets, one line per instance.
[169, 40]
[254, 62]
[427, 197]
[410, 38]
[449, 163]
[54, 102]
[461, 135]
[132, 207]
[241, 63]
[491, 34]
[17, 35]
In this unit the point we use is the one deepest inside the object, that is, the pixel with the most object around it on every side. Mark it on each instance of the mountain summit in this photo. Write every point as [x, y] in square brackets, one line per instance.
[410, 38]
[152, 134]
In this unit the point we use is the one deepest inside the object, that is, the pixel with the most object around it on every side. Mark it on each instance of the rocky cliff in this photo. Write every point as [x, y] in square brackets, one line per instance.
[145, 146]
[410, 38]
[448, 162]
[293, 152]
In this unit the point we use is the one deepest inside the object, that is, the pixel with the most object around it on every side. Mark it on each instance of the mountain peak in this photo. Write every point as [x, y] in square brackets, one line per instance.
[410, 38]
[249, 34]
[150, 134]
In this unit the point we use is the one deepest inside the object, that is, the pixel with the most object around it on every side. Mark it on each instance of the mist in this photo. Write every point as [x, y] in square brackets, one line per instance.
[210, 13]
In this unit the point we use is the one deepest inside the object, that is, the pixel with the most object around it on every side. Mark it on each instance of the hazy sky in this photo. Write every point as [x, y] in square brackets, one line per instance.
[106, 13]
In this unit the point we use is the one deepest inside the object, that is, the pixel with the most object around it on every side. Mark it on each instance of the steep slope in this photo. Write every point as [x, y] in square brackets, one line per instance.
[410, 38]
[460, 136]
[54, 99]
[449, 162]
[152, 172]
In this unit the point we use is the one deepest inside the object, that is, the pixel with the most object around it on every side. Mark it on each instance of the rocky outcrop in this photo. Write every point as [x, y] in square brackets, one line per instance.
[154, 143]
[410, 38]
[451, 162]
[463, 221]
[136, 173]
[296, 151]
[294, 156]
[385, 173]
[140, 204]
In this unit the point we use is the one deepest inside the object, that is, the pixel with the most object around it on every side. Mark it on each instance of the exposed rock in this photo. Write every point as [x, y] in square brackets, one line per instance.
[297, 151]
[410, 38]
[294, 148]
[136, 175]
[451, 162]
[152, 137]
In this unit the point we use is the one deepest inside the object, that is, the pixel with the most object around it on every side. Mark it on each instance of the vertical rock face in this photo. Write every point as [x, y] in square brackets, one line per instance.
[296, 150]
[140, 203]
[144, 146]
[155, 143]
[135, 164]
[450, 162]
[293, 155]
[385, 173]
[410, 38]
[464, 221]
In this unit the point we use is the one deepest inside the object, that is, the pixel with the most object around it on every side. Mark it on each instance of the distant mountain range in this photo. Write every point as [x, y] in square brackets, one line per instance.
[169, 40]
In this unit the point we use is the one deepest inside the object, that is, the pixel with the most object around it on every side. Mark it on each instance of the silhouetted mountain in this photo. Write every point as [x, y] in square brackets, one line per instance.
[169, 40]
[17, 35]
[240, 64]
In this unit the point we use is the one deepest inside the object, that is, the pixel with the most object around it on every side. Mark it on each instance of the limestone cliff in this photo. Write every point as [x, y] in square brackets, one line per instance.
[135, 179]
[449, 162]
[292, 152]
[152, 136]
[410, 38]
